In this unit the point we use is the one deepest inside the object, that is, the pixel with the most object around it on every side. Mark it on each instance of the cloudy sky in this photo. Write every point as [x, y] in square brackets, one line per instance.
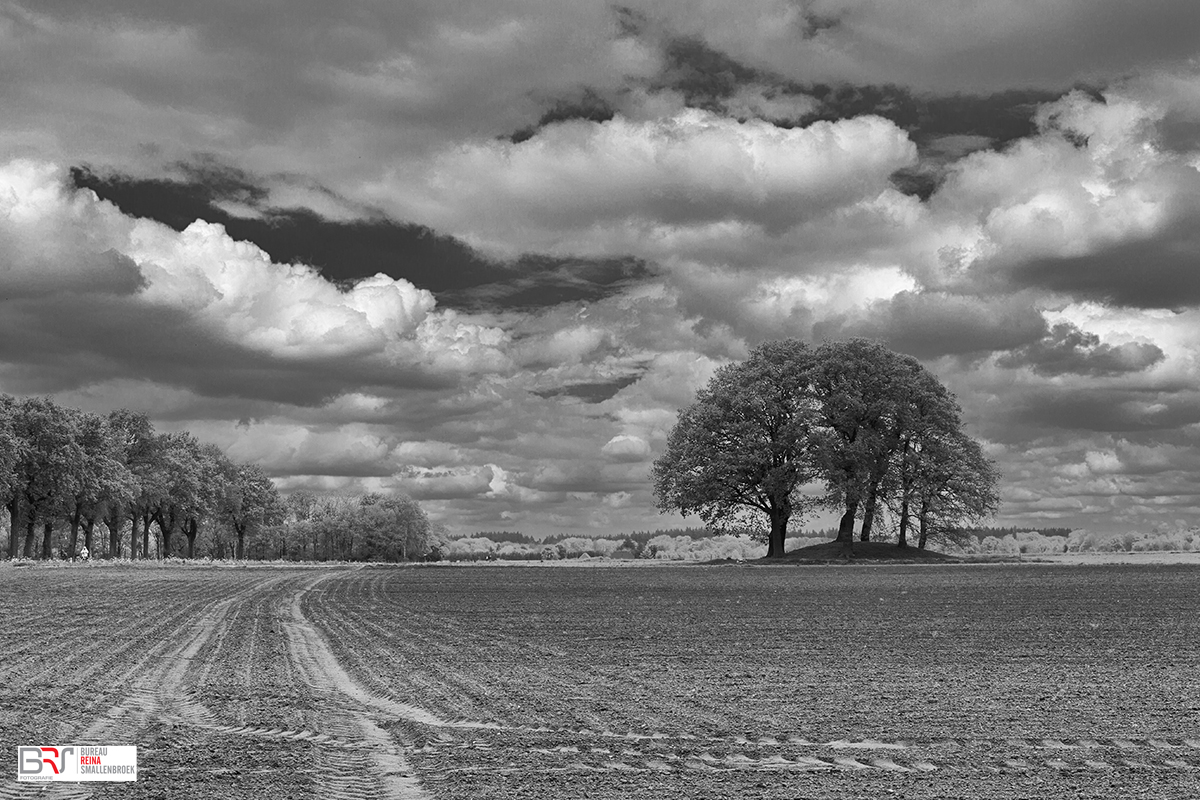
[483, 252]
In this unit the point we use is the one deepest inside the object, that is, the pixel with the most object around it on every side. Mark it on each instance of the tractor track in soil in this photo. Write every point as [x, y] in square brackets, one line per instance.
[370, 763]
[356, 758]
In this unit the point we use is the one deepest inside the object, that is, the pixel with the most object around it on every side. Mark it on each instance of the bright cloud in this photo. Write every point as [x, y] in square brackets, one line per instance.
[689, 171]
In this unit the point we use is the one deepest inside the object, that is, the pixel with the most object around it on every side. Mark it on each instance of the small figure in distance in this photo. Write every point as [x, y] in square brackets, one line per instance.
[83, 554]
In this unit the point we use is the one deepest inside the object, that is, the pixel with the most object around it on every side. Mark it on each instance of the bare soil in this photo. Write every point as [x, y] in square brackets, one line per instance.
[916, 681]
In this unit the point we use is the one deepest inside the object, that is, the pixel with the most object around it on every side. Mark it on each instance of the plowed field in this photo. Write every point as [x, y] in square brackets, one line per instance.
[613, 682]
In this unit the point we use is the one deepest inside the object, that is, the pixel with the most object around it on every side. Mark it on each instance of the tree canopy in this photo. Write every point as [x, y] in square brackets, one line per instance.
[848, 425]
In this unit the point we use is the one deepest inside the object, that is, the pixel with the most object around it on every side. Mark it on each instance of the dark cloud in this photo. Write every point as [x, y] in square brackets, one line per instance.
[919, 182]
[928, 324]
[814, 23]
[1102, 410]
[1155, 272]
[707, 78]
[533, 282]
[1180, 132]
[55, 344]
[1001, 117]
[106, 273]
[590, 392]
[343, 251]
[1068, 350]
[347, 251]
[630, 21]
[583, 476]
[589, 106]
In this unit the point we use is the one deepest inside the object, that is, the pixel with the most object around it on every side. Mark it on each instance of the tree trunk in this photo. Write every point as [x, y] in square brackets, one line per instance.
[166, 526]
[902, 541]
[76, 515]
[47, 538]
[923, 519]
[780, 514]
[241, 541]
[146, 519]
[14, 525]
[30, 522]
[846, 525]
[190, 529]
[133, 535]
[846, 528]
[869, 514]
[113, 523]
[89, 525]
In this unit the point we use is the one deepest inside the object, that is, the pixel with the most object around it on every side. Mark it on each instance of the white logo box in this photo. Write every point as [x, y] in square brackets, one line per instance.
[77, 762]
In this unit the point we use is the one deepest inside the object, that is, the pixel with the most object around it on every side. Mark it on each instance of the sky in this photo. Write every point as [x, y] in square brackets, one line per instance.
[482, 253]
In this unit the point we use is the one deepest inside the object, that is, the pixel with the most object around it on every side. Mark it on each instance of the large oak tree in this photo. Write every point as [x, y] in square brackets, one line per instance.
[745, 446]
[868, 424]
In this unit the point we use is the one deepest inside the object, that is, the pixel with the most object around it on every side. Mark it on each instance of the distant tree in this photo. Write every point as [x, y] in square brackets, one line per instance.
[183, 497]
[744, 448]
[100, 481]
[11, 454]
[957, 486]
[300, 508]
[136, 438]
[45, 473]
[206, 504]
[394, 528]
[250, 502]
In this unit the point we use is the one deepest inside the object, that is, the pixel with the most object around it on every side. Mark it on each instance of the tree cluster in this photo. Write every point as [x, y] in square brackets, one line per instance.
[67, 477]
[369, 527]
[849, 425]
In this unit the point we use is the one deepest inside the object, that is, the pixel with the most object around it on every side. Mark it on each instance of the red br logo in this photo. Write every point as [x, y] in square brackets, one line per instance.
[44, 762]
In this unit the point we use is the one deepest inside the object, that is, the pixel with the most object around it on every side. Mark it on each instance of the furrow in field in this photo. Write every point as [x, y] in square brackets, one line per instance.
[388, 662]
[71, 659]
[160, 692]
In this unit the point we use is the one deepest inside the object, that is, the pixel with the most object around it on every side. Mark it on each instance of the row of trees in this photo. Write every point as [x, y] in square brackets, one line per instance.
[848, 425]
[67, 477]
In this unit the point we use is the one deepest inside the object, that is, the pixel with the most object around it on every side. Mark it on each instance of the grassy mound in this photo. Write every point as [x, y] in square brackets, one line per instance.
[862, 552]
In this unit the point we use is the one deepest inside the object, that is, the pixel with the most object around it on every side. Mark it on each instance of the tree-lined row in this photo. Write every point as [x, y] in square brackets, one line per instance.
[71, 478]
[849, 426]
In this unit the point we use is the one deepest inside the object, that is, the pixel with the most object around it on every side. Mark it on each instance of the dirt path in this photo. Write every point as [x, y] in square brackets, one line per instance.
[373, 764]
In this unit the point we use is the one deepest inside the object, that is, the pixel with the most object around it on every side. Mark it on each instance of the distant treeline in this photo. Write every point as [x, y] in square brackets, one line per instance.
[642, 537]
[637, 537]
[987, 531]
[79, 484]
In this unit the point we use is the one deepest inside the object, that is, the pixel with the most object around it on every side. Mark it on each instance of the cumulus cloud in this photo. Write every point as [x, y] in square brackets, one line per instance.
[625, 447]
[945, 45]
[1090, 207]
[1067, 349]
[136, 293]
[425, 483]
[932, 324]
[692, 170]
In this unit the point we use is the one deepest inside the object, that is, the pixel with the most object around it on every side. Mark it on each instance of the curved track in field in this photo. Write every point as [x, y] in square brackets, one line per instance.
[192, 679]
